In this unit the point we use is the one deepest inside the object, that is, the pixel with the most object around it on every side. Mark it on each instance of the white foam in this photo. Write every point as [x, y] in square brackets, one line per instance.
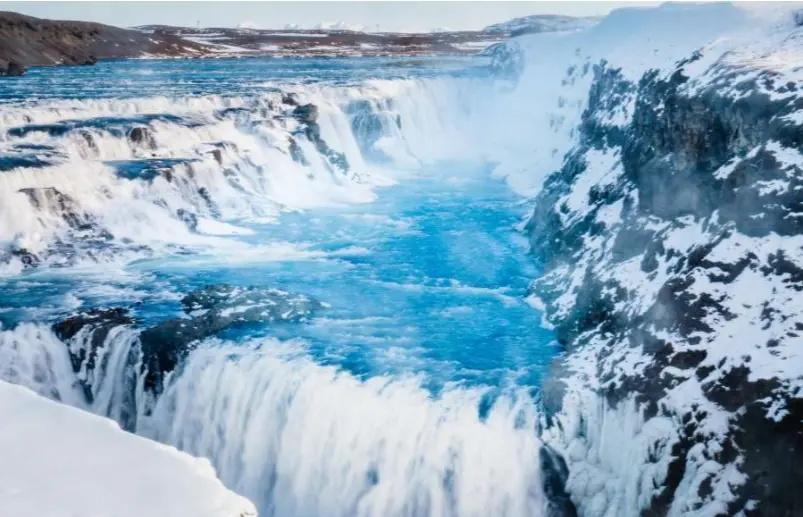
[302, 439]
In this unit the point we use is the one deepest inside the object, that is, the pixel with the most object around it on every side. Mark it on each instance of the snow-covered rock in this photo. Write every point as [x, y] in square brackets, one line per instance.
[671, 241]
[541, 23]
[59, 461]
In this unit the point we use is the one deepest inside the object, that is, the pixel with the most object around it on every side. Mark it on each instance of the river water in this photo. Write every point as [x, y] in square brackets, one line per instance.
[413, 391]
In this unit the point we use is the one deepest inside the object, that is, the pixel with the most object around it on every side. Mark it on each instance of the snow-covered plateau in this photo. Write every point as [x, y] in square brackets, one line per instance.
[565, 279]
[59, 461]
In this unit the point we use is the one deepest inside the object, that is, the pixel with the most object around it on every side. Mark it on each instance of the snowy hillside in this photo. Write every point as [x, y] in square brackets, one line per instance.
[657, 159]
[541, 23]
[58, 461]
[328, 39]
[671, 243]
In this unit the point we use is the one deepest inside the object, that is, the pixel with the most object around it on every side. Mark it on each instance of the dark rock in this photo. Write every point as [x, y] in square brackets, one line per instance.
[554, 474]
[335, 159]
[296, 153]
[41, 42]
[27, 258]
[217, 154]
[211, 310]
[142, 136]
[15, 69]
[97, 323]
[306, 113]
[210, 203]
[50, 199]
[190, 219]
[290, 99]
[95, 318]
[696, 161]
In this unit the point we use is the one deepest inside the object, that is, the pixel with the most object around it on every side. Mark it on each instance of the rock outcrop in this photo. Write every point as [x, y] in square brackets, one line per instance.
[29, 41]
[158, 349]
[212, 310]
[307, 115]
[671, 244]
[14, 69]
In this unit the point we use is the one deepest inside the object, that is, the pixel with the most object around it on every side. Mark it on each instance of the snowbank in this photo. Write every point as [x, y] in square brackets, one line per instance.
[58, 461]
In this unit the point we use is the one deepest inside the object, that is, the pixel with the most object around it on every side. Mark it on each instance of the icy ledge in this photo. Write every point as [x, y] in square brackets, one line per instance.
[60, 461]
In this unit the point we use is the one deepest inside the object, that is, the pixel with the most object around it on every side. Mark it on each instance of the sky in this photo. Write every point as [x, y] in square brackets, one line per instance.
[388, 15]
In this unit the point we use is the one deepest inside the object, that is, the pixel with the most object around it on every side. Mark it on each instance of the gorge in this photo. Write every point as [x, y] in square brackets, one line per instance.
[563, 279]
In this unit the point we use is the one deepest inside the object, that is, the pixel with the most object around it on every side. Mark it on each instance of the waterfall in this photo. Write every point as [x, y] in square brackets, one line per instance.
[302, 439]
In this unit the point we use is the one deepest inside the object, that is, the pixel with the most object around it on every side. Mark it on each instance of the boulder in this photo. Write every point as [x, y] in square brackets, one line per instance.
[15, 69]
[211, 310]
[306, 113]
[142, 136]
[290, 99]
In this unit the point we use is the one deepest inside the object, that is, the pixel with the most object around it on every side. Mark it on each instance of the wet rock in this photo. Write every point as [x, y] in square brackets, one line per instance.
[709, 175]
[290, 99]
[211, 310]
[28, 259]
[142, 136]
[89, 139]
[91, 60]
[554, 474]
[250, 304]
[85, 334]
[217, 154]
[306, 113]
[52, 200]
[203, 192]
[94, 318]
[188, 218]
[15, 69]
[335, 159]
[296, 153]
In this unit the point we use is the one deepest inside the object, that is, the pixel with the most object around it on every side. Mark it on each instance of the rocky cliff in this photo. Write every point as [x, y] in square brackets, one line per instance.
[38, 42]
[672, 241]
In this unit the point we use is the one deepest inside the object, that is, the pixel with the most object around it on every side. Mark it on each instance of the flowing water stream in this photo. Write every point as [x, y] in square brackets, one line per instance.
[412, 392]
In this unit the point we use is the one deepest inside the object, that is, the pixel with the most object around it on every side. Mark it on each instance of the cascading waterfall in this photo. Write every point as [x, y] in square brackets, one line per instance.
[301, 439]
[309, 277]
[116, 180]
[138, 172]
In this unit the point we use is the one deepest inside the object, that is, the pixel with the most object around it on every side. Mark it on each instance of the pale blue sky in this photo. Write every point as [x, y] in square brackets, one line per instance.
[390, 15]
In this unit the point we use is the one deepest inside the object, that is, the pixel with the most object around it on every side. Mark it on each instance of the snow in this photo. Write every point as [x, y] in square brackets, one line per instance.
[340, 26]
[542, 23]
[545, 106]
[58, 461]
[298, 34]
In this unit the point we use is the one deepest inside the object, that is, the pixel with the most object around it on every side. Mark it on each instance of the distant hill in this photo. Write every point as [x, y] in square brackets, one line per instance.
[33, 41]
[29, 41]
[541, 23]
[330, 41]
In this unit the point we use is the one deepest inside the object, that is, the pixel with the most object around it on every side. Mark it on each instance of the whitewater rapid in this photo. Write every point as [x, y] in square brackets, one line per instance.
[394, 194]
[412, 393]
